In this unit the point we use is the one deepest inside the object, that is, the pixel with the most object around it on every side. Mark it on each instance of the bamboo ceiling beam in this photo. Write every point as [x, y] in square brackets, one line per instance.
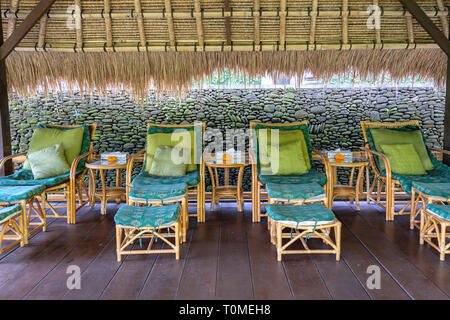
[199, 23]
[140, 21]
[410, 29]
[13, 17]
[312, 30]
[227, 22]
[444, 21]
[169, 18]
[108, 23]
[256, 20]
[42, 30]
[345, 21]
[237, 12]
[78, 24]
[264, 46]
[282, 23]
[21, 31]
[377, 30]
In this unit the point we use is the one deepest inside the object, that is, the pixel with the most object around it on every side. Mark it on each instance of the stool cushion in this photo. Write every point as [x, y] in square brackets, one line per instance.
[11, 194]
[158, 192]
[312, 176]
[438, 190]
[144, 178]
[7, 213]
[305, 215]
[306, 191]
[147, 217]
[440, 210]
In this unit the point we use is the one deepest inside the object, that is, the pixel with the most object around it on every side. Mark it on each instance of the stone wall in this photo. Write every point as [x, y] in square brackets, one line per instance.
[333, 114]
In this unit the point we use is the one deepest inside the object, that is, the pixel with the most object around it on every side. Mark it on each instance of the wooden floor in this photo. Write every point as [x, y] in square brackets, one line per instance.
[228, 257]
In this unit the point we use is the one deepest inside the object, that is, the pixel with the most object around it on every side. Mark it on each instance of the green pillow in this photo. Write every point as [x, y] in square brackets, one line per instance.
[391, 136]
[70, 139]
[163, 164]
[291, 160]
[284, 137]
[165, 139]
[48, 162]
[403, 159]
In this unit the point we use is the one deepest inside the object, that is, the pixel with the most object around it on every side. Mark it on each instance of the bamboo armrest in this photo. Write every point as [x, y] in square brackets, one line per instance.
[137, 157]
[76, 161]
[15, 158]
[442, 151]
[373, 153]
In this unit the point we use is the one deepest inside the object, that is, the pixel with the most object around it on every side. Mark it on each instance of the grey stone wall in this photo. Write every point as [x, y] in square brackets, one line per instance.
[333, 114]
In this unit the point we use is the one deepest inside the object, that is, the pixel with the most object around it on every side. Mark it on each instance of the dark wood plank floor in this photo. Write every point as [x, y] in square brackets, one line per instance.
[228, 257]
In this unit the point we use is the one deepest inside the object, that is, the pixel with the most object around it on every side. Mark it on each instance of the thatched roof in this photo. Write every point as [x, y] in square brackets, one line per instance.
[169, 43]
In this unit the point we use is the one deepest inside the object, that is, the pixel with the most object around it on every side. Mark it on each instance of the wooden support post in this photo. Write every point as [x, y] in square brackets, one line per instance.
[5, 143]
[256, 20]
[227, 22]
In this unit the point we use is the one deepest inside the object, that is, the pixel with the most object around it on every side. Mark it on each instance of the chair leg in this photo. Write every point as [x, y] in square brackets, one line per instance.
[442, 242]
[337, 231]
[118, 242]
[422, 226]
[279, 240]
[177, 240]
[389, 201]
[23, 223]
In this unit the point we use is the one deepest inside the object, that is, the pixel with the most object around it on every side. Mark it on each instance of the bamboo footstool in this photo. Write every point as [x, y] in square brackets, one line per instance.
[434, 221]
[137, 223]
[162, 194]
[23, 196]
[304, 222]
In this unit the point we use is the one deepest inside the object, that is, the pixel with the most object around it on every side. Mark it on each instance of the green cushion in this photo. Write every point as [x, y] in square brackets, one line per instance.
[289, 160]
[141, 217]
[186, 140]
[144, 178]
[441, 174]
[284, 137]
[12, 194]
[403, 159]
[440, 210]
[312, 176]
[295, 192]
[158, 193]
[48, 162]
[7, 213]
[304, 215]
[438, 190]
[382, 136]
[163, 165]
[71, 140]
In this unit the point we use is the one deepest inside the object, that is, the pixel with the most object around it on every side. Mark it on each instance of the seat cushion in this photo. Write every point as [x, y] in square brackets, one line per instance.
[158, 192]
[7, 213]
[305, 215]
[439, 210]
[441, 174]
[144, 178]
[293, 192]
[438, 190]
[25, 177]
[312, 176]
[147, 217]
[12, 194]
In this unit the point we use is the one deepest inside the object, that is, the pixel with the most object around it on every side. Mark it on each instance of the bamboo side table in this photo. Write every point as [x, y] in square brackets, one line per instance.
[349, 191]
[117, 192]
[226, 191]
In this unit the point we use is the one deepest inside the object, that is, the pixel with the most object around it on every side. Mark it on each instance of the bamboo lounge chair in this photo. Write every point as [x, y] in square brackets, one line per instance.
[71, 184]
[160, 135]
[398, 187]
[259, 179]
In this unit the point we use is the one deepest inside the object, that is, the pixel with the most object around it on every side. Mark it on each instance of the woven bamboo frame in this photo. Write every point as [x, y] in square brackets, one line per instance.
[198, 190]
[257, 186]
[394, 194]
[71, 189]
[131, 234]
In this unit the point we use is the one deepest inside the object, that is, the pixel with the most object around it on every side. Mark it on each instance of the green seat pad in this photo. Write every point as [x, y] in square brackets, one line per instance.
[403, 135]
[70, 138]
[11, 194]
[441, 174]
[403, 159]
[147, 217]
[438, 190]
[187, 138]
[48, 162]
[158, 192]
[439, 210]
[312, 176]
[7, 213]
[289, 192]
[164, 165]
[25, 177]
[144, 178]
[304, 215]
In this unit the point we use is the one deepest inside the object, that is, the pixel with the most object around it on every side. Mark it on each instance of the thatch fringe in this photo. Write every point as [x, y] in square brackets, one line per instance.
[176, 71]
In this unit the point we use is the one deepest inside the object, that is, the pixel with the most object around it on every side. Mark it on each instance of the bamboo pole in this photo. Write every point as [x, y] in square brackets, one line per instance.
[42, 30]
[444, 21]
[169, 18]
[199, 23]
[256, 20]
[107, 17]
[140, 21]
[78, 24]
[283, 23]
[409, 26]
[345, 21]
[12, 18]
[377, 30]
[312, 30]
